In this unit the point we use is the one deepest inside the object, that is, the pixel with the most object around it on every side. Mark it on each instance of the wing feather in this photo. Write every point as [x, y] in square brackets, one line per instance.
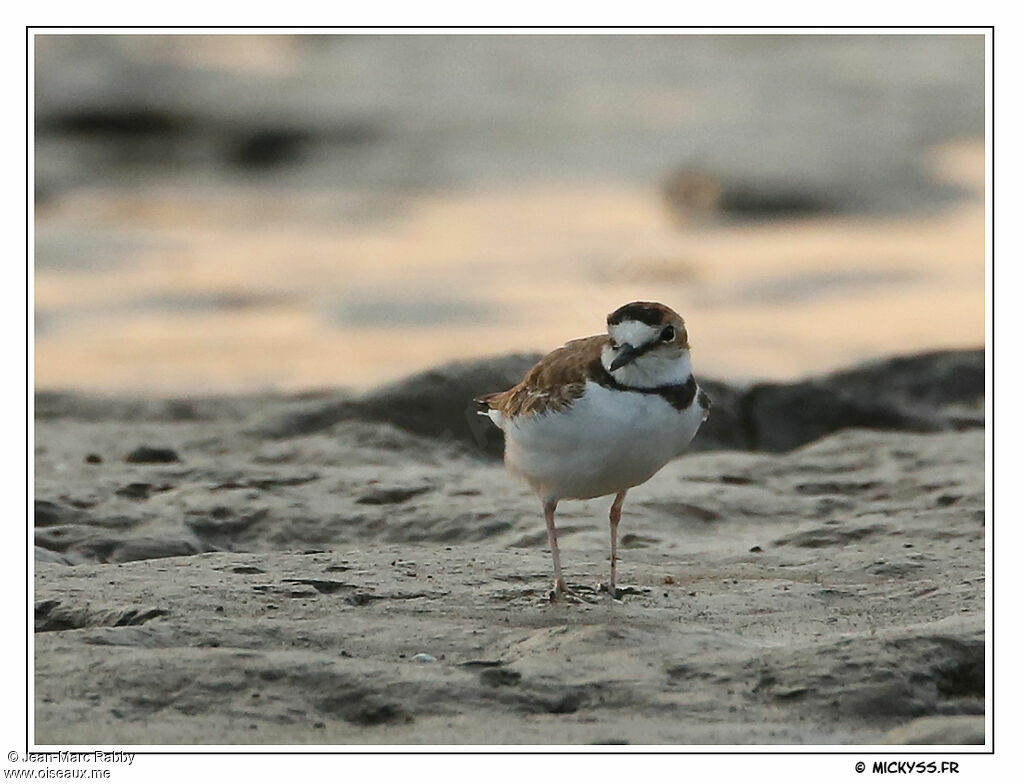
[553, 384]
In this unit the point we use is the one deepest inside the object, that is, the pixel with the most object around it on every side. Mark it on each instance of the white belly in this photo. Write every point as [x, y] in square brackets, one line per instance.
[607, 441]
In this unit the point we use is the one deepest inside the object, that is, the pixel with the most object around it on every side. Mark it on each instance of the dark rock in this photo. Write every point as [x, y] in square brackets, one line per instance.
[724, 428]
[909, 393]
[902, 393]
[152, 454]
[439, 402]
[917, 393]
[781, 417]
[930, 380]
[93, 459]
[435, 403]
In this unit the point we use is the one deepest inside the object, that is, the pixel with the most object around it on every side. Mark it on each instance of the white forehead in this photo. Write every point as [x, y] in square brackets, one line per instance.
[636, 333]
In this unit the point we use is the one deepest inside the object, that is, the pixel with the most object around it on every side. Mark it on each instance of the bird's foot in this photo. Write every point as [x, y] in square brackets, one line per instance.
[618, 592]
[576, 594]
[611, 590]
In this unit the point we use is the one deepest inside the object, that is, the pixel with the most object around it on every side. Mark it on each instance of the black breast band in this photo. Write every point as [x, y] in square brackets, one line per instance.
[679, 396]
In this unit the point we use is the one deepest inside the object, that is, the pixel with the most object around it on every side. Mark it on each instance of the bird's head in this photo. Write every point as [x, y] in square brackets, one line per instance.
[647, 346]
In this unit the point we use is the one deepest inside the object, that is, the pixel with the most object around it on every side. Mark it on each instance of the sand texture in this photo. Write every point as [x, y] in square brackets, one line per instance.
[206, 575]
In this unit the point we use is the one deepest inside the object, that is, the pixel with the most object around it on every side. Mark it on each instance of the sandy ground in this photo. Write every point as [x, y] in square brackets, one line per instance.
[361, 584]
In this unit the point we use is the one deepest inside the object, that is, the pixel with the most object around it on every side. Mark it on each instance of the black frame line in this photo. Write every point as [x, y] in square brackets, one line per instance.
[989, 352]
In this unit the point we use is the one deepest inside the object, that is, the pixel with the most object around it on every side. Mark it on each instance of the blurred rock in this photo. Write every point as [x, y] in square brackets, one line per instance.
[916, 393]
[724, 428]
[306, 418]
[437, 402]
[780, 417]
[929, 380]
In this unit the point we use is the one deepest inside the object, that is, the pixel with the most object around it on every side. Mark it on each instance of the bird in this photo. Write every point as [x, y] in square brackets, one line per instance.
[601, 415]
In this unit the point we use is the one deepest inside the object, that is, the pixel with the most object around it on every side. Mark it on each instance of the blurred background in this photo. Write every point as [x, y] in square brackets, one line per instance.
[225, 213]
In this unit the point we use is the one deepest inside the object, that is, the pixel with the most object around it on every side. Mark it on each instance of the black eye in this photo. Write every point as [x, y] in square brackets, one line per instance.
[668, 334]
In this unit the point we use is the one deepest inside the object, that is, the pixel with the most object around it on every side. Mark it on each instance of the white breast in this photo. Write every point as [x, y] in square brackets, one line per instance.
[607, 441]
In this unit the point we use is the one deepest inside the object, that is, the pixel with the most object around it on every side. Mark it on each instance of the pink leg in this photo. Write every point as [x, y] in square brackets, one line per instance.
[613, 518]
[549, 518]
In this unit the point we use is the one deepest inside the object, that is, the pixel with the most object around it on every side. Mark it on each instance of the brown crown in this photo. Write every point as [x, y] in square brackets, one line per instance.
[653, 314]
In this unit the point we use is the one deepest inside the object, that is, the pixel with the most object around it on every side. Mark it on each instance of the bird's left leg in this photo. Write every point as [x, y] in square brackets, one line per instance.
[613, 520]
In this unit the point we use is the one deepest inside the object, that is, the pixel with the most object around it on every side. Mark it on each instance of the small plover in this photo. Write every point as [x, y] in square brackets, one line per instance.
[601, 415]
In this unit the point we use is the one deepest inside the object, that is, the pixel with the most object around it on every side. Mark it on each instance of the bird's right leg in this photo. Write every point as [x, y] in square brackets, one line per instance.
[549, 518]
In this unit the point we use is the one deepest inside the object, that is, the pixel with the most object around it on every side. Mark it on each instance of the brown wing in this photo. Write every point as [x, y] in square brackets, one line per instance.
[553, 383]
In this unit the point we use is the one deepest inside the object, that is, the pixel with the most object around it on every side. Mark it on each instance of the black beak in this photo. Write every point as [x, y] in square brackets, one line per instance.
[627, 354]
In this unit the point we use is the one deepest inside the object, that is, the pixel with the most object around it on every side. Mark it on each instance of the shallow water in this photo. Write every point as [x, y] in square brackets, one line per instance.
[260, 212]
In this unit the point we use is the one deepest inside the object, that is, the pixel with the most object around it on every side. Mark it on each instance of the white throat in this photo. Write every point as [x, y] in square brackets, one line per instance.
[649, 370]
